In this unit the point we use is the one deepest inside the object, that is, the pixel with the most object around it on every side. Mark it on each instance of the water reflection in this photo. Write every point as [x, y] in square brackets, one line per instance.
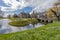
[5, 28]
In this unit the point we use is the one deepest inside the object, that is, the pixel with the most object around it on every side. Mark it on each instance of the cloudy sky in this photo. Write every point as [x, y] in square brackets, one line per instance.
[17, 6]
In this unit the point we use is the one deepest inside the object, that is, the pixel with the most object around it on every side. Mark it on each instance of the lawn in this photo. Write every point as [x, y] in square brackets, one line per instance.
[47, 32]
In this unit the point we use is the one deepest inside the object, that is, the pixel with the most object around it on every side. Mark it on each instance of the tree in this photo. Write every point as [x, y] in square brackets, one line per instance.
[55, 13]
[9, 16]
[1, 14]
[15, 16]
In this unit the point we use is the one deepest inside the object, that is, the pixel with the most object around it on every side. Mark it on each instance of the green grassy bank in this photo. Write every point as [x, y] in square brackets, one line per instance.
[47, 32]
[2, 18]
[23, 22]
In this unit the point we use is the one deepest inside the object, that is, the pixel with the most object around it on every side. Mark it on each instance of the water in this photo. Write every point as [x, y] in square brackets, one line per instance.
[6, 28]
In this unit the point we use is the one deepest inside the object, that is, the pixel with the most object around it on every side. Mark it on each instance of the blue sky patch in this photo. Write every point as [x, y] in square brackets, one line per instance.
[3, 4]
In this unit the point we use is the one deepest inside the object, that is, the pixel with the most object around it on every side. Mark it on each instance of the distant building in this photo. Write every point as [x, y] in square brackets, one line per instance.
[41, 15]
[38, 14]
[33, 14]
[24, 15]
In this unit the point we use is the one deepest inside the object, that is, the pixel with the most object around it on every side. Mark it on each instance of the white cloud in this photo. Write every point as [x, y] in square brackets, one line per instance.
[43, 5]
[7, 9]
[14, 5]
[39, 5]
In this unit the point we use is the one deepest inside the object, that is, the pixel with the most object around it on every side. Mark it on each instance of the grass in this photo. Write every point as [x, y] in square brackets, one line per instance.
[47, 32]
[19, 23]
[23, 22]
[2, 18]
[32, 21]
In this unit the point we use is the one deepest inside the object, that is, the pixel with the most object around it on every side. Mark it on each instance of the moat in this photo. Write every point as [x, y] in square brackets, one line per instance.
[6, 28]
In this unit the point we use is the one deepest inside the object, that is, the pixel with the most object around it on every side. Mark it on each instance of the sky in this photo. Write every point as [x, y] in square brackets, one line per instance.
[17, 6]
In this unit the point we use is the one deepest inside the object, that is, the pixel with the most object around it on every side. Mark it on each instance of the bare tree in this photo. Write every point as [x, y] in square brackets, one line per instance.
[55, 13]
